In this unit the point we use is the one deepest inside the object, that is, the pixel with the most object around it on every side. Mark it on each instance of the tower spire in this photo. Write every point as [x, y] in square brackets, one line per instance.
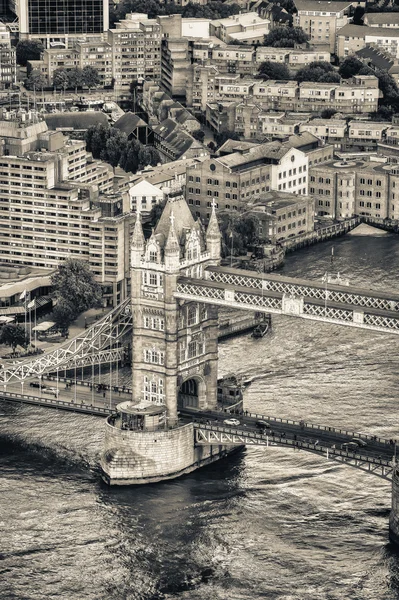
[172, 246]
[213, 237]
[137, 247]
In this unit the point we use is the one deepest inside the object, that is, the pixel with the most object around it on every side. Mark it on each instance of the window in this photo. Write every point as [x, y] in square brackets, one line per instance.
[192, 315]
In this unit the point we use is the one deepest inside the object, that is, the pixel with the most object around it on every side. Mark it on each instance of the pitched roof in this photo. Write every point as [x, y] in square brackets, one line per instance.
[357, 31]
[129, 122]
[315, 5]
[272, 150]
[382, 18]
[183, 219]
[235, 146]
[376, 57]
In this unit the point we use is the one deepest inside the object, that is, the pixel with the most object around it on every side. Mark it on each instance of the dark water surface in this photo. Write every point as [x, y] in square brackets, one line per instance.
[267, 523]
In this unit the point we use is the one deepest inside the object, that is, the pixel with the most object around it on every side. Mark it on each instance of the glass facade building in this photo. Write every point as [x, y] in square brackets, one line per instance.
[65, 17]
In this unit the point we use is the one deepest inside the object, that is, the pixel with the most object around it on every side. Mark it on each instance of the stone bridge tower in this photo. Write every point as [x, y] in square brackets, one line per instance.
[174, 355]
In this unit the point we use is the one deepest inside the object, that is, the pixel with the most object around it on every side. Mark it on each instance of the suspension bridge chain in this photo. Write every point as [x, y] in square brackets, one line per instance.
[94, 345]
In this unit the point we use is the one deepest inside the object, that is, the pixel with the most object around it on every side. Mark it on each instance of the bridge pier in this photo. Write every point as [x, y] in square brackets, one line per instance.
[394, 516]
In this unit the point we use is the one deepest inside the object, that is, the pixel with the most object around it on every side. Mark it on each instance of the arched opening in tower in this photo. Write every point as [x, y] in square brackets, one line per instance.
[188, 394]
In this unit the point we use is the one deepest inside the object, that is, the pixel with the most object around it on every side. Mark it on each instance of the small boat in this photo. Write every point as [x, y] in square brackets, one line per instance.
[335, 279]
[260, 330]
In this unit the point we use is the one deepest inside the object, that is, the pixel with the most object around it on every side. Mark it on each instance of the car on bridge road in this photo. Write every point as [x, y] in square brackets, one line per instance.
[350, 446]
[263, 424]
[361, 443]
[232, 422]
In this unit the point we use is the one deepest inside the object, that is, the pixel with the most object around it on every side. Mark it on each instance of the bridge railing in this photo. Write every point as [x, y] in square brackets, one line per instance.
[313, 447]
[54, 403]
[314, 427]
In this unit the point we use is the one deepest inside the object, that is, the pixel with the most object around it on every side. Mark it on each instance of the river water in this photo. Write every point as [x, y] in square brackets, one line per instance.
[266, 523]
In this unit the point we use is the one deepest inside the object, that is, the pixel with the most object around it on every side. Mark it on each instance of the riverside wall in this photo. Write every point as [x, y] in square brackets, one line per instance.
[321, 234]
[394, 516]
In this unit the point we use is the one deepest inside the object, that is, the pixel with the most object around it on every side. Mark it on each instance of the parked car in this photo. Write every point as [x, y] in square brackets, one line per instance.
[232, 422]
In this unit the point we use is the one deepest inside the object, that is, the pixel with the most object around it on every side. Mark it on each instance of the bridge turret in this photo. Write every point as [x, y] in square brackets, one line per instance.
[213, 236]
[138, 243]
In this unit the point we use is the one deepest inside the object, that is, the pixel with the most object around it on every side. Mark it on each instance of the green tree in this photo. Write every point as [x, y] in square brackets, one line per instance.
[285, 37]
[28, 50]
[239, 232]
[90, 77]
[73, 283]
[318, 71]
[36, 80]
[75, 77]
[273, 70]
[148, 156]
[130, 157]
[13, 335]
[63, 315]
[350, 67]
[60, 79]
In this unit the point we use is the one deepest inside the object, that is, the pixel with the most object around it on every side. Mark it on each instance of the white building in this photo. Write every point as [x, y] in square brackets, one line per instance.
[143, 196]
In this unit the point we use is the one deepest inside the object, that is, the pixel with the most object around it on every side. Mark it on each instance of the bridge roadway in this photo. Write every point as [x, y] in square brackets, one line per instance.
[376, 457]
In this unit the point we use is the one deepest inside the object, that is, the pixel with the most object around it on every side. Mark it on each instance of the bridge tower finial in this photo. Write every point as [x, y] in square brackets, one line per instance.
[138, 242]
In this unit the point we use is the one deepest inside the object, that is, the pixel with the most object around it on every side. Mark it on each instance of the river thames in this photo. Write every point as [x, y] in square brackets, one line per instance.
[268, 523]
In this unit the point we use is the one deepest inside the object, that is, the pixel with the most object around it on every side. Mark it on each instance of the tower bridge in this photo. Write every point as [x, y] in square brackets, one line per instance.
[171, 320]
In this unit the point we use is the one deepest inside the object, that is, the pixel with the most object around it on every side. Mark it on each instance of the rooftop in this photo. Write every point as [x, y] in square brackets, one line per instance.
[270, 150]
[382, 18]
[321, 5]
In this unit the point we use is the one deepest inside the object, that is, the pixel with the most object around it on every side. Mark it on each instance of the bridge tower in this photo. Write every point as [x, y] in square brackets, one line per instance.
[174, 349]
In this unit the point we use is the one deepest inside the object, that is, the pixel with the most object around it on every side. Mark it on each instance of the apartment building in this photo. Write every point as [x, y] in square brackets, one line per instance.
[55, 203]
[352, 38]
[242, 176]
[321, 20]
[292, 57]
[136, 50]
[175, 65]
[8, 67]
[382, 19]
[344, 188]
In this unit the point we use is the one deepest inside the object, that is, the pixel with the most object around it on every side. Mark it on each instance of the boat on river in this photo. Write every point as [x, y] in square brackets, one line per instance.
[261, 330]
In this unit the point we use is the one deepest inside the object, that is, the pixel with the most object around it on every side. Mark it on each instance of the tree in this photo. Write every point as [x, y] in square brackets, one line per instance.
[75, 76]
[90, 77]
[28, 50]
[99, 135]
[273, 70]
[13, 335]
[148, 156]
[63, 315]
[36, 80]
[114, 147]
[156, 212]
[328, 113]
[60, 79]
[130, 157]
[223, 136]
[73, 284]
[350, 67]
[358, 15]
[318, 71]
[239, 232]
[198, 135]
[285, 37]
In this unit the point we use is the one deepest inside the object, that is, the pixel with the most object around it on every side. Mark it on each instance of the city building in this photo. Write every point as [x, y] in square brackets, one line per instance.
[235, 179]
[8, 68]
[143, 196]
[60, 23]
[382, 19]
[292, 57]
[245, 27]
[366, 186]
[352, 38]
[321, 20]
[282, 215]
[56, 203]
[136, 50]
